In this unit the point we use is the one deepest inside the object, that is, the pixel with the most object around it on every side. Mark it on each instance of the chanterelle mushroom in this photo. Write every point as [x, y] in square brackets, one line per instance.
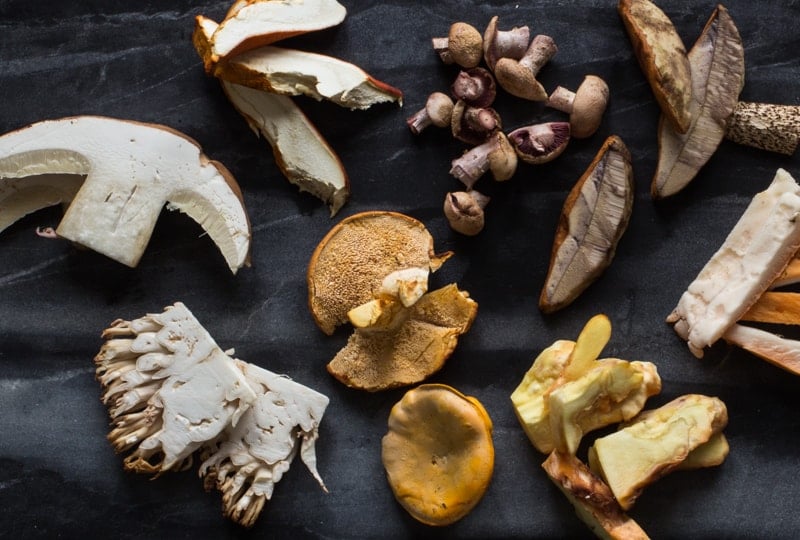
[438, 453]
[132, 170]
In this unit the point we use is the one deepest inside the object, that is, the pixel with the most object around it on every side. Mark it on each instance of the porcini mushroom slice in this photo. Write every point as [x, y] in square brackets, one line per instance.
[756, 251]
[22, 196]
[716, 62]
[261, 22]
[249, 458]
[777, 350]
[132, 170]
[662, 57]
[292, 72]
[775, 308]
[409, 349]
[168, 387]
[593, 219]
[646, 449]
[592, 498]
[350, 265]
[438, 453]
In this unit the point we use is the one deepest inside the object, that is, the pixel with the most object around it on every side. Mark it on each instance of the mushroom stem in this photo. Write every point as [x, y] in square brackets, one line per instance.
[496, 154]
[481, 119]
[437, 111]
[775, 128]
[561, 99]
[512, 43]
[475, 86]
[442, 47]
[539, 52]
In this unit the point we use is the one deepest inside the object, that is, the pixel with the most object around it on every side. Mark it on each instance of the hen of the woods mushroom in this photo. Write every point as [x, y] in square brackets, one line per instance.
[116, 176]
[171, 392]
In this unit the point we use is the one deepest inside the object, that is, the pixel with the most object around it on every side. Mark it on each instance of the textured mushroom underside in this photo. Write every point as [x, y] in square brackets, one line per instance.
[132, 170]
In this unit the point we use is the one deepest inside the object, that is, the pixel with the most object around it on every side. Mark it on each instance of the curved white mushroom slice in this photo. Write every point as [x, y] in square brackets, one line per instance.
[266, 21]
[754, 254]
[292, 72]
[251, 457]
[169, 389]
[22, 196]
[132, 170]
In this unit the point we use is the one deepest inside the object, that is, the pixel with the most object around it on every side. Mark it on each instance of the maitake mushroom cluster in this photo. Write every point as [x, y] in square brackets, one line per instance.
[513, 61]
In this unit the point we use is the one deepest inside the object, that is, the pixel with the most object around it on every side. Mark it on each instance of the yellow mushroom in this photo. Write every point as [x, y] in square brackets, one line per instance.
[438, 453]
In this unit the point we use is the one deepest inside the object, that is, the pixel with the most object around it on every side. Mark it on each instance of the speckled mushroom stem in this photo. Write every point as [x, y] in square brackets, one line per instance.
[561, 99]
[775, 128]
[512, 43]
[539, 52]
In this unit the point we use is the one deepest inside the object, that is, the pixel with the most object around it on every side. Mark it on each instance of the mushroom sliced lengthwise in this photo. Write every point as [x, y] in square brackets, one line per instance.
[594, 217]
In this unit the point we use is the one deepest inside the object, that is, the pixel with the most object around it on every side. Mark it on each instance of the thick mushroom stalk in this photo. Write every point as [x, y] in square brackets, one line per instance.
[499, 44]
[132, 171]
[437, 112]
[464, 211]
[540, 143]
[585, 106]
[463, 45]
[518, 78]
[495, 155]
[775, 128]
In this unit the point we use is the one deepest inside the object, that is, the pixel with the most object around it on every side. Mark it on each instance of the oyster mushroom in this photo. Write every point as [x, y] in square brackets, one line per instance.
[463, 45]
[499, 44]
[585, 106]
[437, 112]
[464, 211]
[593, 220]
[473, 125]
[495, 155]
[662, 57]
[365, 256]
[540, 143]
[518, 77]
[475, 86]
[131, 171]
[438, 453]
[257, 23]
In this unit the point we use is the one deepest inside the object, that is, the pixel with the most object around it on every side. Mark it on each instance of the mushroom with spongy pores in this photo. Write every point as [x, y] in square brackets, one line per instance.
[132, 170]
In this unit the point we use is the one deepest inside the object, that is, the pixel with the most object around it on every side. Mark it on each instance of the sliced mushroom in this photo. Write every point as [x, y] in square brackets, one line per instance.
[408, 346]
[594, 218]
[518, 77]
[499, 44]
[132, 170]
[540, 143]
[22, 196]
[775, 308]
[350, 265]
[716, 62]
[592, 498]
[662, 57]
[495, 155]
[438, 111]
[754, 254]
[438, 453]
[261, 22]
[464, 211]
[779, 351]
[585, 106]
[463, 45]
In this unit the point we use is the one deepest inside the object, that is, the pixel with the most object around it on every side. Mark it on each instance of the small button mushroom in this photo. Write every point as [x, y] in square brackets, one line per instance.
[495, 155]
[476, 86]
[437, 111]
[464, 211]
[463, 45]
[518, 78]
[540, 143]
[499, 44]
[584, 106]
[473, 125]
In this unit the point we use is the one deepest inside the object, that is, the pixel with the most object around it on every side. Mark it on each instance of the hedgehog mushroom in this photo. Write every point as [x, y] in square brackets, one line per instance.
[132, 170]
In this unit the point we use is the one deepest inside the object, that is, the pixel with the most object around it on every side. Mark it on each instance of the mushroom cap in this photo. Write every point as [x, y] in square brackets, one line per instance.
[588, 107]
[464, 211]
[518, 81]
[350, 263]
[473, 125]
[476, 86]
[465, 44]
[439, 107]
[503, 158]
[540, 143]
[438, 453]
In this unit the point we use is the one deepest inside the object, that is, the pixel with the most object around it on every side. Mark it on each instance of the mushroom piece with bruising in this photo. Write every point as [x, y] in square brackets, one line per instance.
[437, 112]
[499, 44]
[463, 45]
[585, 106]
[518, 77]
[540, 143]
[473, 125]
[475, 86]
[464, 211]
[495, 155]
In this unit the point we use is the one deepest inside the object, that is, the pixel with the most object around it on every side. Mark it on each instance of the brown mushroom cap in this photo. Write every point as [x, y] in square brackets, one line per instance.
[518, 81]
[502, 159]
[590, 103]
[438, 453]
[348, 266]
[465, 44]
[540, 143]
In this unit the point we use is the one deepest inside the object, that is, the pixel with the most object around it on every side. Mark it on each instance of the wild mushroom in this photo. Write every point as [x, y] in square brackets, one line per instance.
[495, 155]
[463, 45]
[261, 22]
[662, 57]
[540, 143]
[518, 77]
[473, 125]
[131, 171]
[354, 262]
[475, 86]
[437, 112]
[438, 453]
[464, 211]
[585, 106]
[593, 220]
[499, 44]
[775, 128]
[406, 346]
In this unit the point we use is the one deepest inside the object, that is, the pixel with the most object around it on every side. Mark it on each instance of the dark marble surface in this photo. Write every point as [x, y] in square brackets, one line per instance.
[59, 476]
